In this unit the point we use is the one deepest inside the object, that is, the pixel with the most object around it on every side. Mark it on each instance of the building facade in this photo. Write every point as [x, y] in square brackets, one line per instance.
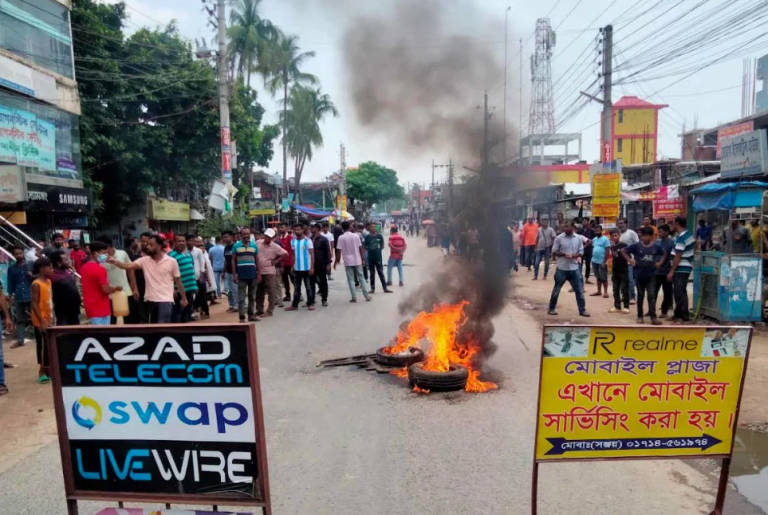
[40, 165]
[635, 130]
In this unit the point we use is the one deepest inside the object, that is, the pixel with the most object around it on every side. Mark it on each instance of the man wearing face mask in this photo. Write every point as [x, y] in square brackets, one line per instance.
[96, 288]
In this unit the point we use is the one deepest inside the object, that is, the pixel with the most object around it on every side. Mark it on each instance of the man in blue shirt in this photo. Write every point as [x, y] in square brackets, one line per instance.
[20, 292]
[245, 264]
[704, 235]
[219, 264]
[600, 242]
[303, 268]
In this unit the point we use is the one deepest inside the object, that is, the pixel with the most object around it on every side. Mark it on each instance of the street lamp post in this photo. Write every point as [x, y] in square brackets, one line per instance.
[506, 19]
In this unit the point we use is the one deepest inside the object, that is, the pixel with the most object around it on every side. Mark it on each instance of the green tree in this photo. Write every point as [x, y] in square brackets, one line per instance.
[306, 109]
[248, 32]
[281, 65]
[371, 184]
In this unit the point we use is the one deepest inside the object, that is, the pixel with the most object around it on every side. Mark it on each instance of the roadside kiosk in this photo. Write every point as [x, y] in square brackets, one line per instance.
[728, 284]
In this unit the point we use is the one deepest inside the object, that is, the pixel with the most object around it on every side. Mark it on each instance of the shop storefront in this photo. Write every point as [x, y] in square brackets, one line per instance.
[51, 208]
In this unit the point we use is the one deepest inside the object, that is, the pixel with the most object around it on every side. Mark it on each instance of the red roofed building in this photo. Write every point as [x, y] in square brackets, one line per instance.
[635, 130]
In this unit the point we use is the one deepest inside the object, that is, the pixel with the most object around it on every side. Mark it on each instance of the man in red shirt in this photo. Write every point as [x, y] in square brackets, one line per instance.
[397, 248]
[77, 257]
[286, 265]
[528, 235]
[96, 288]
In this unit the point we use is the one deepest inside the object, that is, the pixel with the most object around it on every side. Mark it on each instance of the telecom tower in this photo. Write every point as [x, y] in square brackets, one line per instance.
[542, 117]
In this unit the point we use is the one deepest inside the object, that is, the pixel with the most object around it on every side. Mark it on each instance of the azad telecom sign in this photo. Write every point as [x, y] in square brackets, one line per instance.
[160, 414]
[620, 392]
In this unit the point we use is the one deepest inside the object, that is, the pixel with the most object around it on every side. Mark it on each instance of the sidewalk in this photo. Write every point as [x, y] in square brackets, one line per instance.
[533, 296]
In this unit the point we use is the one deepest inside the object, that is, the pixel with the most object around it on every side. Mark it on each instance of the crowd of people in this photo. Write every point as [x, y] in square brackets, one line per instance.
[175, 279]
[658, 260]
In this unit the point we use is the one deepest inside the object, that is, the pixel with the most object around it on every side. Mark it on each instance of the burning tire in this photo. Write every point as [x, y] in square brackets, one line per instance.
[454, 379]
[402, 359]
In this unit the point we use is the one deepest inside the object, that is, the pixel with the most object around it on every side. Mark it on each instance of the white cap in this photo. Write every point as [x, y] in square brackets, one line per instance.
[270, 233]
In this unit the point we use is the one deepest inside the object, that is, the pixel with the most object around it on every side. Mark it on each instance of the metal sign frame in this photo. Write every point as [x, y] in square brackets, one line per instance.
[724, 457]
[74, 495]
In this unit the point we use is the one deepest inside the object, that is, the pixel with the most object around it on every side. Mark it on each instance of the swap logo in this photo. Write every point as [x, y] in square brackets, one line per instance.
[80, 414]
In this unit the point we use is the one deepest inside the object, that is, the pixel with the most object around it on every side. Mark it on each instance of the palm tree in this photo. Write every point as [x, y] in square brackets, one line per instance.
[247, 33]
[281, 63]
[307, 108]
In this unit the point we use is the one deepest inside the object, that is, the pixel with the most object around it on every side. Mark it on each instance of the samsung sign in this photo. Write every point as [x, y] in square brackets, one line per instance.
[744, 155]
[59, 199]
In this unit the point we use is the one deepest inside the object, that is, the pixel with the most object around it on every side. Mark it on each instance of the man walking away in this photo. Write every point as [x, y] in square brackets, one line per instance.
[42, 313]
[218, 263]
[529, 234]
[183, 313]
[667, 245]
[473, 242]
[246, 266]
[681, 269]
[568, 248]
[619, 274]
[270, 253]
[284, 239]
[228, 240]
[161, 273]
[397, 247]
[199, 261]
[206, 284]
[20, 290]
[600, 244]
[323, 259]
[303, 268]
[545, 238]
[66, 296]
[646, 258]
[374, 243]
[330, 237]
[96, 287]
[349, 247]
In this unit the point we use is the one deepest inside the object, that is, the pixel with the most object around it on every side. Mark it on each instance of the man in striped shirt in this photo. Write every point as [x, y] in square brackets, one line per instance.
[303, 268]
[186, 263]
[681, 269]
[247, 274]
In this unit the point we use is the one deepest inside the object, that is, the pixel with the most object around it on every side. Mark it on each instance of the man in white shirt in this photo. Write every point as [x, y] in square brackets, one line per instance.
[628, 237]
[119, 277]
[351, 248]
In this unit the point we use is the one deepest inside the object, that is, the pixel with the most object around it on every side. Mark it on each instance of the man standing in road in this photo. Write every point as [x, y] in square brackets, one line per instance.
[245, 263]
[183, 312]
[544, 241]
[284, 239]
[628, 237]
[737, 239]
[161, 272]
[303, 268]
[119, 277]
[600, 244]
[20, 290]
[228, 240]
[270, 253]
[96, 287]
[374, 243]
[217, 263]
[330, 237]
[323, 258]
[397, 247]
[589, 233]
[681, 269]
[57, 243]
[42, 313]
[667, 244]
[351, 249]
[529, 234]
[568, 248]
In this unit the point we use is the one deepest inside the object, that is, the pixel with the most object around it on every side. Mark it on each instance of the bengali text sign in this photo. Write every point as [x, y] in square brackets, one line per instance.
[618, 392]
[606, 194]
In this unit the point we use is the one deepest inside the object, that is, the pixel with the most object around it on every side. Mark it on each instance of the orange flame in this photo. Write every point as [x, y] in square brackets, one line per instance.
[440, 327]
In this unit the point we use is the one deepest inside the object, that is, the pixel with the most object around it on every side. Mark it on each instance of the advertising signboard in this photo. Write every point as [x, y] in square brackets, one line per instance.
[606, 195]
[161, 413]
[611, 392]
[744, 155]
[171, 211]
[669, 208]
[733, 130]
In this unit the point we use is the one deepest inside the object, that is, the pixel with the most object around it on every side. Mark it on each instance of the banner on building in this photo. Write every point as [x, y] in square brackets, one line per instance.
[664, 193]
[13, 184]
[611, 392]
[733, 130]
[27, 140]
[160, 413]
[169, 211]
[744, 155]
[606, 195]
[670, 208]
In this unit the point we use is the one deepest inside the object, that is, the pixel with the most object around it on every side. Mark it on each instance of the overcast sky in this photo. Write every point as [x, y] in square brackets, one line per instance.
[321, 25]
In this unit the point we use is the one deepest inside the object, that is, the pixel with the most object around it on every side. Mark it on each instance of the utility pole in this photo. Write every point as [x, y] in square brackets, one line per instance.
[221, 60]
[433, 174]
[520, 123]
[486, 117]
[506, 19]
[450, 190]
[342, 204]
[606, 133]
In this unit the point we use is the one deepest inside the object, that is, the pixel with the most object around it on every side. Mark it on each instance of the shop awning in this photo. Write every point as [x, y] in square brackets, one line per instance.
[726, 196]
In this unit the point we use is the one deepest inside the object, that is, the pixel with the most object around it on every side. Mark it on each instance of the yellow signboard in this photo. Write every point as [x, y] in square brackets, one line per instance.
[620, 392]
[606, 194]
[259, 212]
[167, 210]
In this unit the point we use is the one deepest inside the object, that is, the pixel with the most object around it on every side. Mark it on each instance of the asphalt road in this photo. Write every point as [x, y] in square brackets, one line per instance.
[348, 442]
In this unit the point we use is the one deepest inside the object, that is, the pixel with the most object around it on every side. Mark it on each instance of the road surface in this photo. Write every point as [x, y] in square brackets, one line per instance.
[345, 441]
